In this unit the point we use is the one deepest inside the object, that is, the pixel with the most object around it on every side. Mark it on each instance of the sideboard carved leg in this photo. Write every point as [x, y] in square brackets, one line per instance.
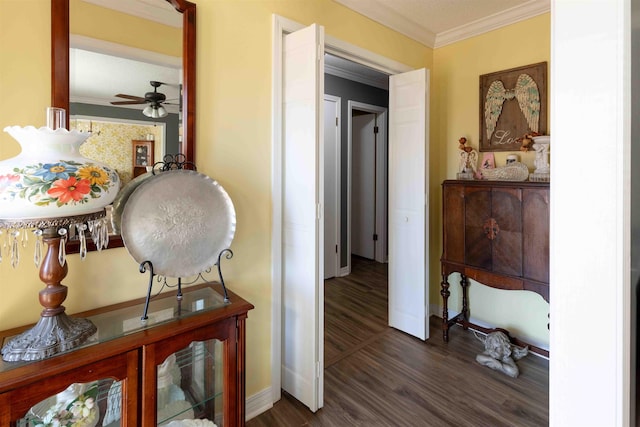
[464, 283]
[445, 311]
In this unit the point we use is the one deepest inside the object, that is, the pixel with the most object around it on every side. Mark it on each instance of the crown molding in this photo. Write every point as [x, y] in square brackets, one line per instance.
[493, 22]
[384, 14]
[160, 12]
[77, 41]
[345, 74]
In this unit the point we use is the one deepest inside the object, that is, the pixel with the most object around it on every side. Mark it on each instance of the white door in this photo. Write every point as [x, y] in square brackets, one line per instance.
[408, 210]
[302, 225]
[363, 180]
[331, 183]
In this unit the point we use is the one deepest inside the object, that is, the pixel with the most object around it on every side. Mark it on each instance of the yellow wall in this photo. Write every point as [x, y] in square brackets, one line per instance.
[25, 65]
[102, 23]
[455, 113]
[234, 129]
[234, 145]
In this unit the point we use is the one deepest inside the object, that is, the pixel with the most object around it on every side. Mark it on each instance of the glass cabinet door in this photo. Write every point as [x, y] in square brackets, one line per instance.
[190, 386]
[96, 403]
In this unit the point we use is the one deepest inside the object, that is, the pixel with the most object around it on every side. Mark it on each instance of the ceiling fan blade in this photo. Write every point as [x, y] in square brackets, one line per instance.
[136, 98]
[127, 102]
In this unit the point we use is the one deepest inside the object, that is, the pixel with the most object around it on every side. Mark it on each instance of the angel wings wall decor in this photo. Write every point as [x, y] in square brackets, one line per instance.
[512, 103]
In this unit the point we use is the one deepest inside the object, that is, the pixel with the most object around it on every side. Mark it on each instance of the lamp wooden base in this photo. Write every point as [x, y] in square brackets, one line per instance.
[55, 332]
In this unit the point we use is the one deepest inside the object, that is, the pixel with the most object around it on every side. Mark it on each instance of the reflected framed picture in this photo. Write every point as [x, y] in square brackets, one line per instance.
[142, 153]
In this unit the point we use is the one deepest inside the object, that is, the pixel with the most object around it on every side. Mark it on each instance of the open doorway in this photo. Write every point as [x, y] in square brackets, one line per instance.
[362, 168]
[364, 130]
[298, 166]
[366, 184]
[368, 181]
[360, 176]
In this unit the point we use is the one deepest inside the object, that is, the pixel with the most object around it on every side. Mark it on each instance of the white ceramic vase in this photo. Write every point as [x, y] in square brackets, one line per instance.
[50, 179]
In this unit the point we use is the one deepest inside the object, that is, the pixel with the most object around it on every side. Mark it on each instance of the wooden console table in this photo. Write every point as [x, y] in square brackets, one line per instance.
[206, 335]
[496, 233]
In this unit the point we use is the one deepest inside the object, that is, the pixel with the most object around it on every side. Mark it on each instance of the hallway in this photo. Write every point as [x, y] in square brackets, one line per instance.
[378, 376]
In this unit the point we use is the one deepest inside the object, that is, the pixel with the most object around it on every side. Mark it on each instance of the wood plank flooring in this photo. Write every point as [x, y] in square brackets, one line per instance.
[378, 376]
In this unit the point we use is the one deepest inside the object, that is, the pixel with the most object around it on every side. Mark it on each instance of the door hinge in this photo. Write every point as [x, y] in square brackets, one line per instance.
[318, 211]
[336, 248]
[375, 237]
[336, 121]
[317, 369]
[376, 129]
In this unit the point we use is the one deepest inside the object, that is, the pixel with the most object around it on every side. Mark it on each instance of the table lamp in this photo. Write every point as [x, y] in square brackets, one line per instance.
[50, 189]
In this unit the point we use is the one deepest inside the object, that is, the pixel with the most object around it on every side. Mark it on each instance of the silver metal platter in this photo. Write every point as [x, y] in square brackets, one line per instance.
[121, 199]
[180, 221]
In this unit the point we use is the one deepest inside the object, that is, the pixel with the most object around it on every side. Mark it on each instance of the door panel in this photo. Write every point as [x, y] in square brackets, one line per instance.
[408, 210]
[535, 216]
[302, 288]
[477, 248]
[507, 247]
[363, 178]
[453, 236]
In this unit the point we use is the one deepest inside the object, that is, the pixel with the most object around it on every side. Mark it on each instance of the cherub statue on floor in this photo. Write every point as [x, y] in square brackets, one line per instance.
[500, 355]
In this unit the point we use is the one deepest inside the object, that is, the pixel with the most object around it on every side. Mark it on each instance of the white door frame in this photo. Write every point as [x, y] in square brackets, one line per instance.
[338, 160]
[381, 177]
[280, 27]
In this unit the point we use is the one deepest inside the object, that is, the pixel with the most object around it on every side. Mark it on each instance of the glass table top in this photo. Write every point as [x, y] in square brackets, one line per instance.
[163, 308]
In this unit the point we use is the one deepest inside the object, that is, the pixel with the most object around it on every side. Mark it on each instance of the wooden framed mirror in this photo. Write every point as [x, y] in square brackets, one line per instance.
[60, 84]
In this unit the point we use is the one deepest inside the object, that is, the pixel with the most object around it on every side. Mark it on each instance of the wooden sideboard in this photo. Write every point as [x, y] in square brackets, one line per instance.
[206, 334]
[496, 233]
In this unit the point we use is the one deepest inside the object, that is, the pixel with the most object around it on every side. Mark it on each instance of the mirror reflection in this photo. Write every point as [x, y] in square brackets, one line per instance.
[125, 86]
[151, 32]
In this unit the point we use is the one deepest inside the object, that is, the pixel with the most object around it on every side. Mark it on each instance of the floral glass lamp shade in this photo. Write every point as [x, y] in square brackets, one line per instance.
[48, 189]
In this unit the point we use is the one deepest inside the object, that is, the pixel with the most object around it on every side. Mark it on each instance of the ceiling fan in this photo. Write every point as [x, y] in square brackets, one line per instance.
[155, 100]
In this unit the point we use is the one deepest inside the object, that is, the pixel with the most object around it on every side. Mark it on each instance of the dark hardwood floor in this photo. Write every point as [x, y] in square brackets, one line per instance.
[377, 376]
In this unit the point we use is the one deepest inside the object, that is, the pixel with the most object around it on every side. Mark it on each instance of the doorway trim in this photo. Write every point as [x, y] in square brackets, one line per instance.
[280, 27]
[381, 177]
[337, 159]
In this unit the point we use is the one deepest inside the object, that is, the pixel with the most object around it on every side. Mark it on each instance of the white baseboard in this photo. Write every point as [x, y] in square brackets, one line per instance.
[258, 403]
[344, 271]
[436, 310]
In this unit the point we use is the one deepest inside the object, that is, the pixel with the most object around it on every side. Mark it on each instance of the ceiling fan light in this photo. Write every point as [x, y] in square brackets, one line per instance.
[154, 111]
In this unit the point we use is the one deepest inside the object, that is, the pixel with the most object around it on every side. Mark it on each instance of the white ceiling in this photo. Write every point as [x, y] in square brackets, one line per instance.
[95, 78]
[98, 73]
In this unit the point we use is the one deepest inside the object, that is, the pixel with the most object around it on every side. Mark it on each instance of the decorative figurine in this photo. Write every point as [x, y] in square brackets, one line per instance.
[512, 158]
[500, 355]
[541, 145]
[468, 167]
[526, 141]
[543, 170]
